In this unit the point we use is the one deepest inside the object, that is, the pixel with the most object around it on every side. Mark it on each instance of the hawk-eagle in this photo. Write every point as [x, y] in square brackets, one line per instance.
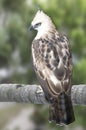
[52, 62]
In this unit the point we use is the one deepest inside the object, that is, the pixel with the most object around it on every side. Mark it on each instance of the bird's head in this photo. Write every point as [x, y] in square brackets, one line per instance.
[41, 22]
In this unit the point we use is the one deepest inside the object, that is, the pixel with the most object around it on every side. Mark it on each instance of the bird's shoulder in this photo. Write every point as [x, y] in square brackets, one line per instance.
[62, 40]
[52, 50]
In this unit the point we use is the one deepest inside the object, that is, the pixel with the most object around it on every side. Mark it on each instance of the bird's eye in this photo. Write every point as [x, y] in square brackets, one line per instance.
[37, 24]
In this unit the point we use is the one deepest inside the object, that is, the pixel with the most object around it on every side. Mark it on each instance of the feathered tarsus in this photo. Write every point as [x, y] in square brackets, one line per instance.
[52, 62]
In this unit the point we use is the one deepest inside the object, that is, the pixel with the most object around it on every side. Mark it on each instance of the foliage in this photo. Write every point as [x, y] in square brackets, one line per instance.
[80, 69]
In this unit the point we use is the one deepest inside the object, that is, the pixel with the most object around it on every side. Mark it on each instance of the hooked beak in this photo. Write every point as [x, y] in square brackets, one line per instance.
[31, 28]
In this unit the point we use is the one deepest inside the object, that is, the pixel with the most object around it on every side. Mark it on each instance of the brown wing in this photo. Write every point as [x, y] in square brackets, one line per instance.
[52, 63]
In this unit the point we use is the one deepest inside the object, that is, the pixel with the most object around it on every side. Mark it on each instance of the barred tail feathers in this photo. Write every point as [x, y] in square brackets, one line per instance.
[61, 111]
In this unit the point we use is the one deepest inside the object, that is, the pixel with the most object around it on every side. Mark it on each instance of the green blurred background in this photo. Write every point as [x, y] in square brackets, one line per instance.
[69, 17]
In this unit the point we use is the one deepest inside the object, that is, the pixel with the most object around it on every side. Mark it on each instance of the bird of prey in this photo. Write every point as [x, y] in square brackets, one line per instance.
[52, 62]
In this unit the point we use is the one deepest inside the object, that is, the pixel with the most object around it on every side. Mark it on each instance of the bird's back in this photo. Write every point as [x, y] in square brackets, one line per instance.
[52, 60]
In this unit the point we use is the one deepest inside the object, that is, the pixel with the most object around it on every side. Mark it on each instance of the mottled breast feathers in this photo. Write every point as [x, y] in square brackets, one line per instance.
[53, 63]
